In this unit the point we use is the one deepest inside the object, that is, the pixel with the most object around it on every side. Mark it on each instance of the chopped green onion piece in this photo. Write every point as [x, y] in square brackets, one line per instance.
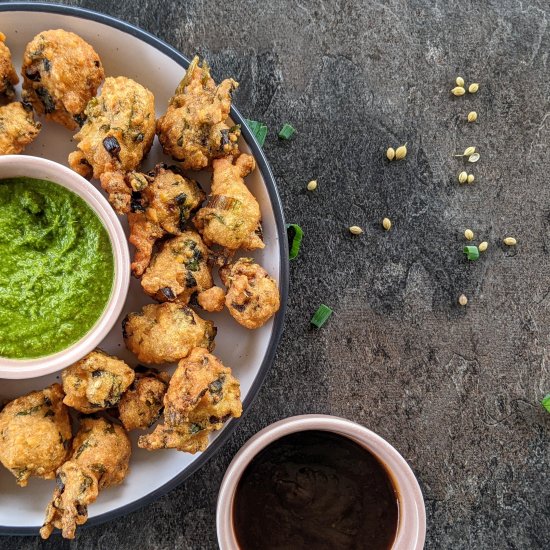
[472, 252]
[295, 234]
[259, 129]
[287, 131]
[321, 316]
[546, 402]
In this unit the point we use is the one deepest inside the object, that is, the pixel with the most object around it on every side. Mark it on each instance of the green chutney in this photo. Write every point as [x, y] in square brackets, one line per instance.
[56, 268]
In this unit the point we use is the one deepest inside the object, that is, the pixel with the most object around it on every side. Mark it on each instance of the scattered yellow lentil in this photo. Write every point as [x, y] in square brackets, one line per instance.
[355, 230]
[510, 241]
[390, 153]
[472, 116]
[458, 91]
[401, 152]
[312, 185]
[473, 88]
[462, 300]
[386, 224]
[469, 234]
[463, 177]
[460, 81]
[483, 246]
[471, 178]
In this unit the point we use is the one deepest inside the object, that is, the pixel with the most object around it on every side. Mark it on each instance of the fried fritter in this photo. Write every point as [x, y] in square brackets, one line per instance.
[212, 299]
[8, 76]
[35, 434]
[17, 128]
[96, 382]
[231, 217]
[157, 203]
[201, 396]
[198, 385]
[119, 129]
[193, 129]
[100, 457]
[188, 437]
[178, 269]
[61, 73]
[141, 405]
[252, 295]
[165, 333]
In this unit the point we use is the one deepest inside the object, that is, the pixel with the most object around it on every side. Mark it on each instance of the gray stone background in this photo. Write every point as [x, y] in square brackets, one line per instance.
[456, 390]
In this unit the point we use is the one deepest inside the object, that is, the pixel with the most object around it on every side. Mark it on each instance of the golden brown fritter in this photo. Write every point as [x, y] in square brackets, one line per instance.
[252, 295]
[165, 333]
[212, 299]
[8, 76]
[17, 128]
[178, 269]
[141, 405]
[157, 203]
[200, 382]
[201, 396]
[231, 217]
[193, 129]
[188, 437]
[61, 73]
[96, 382]
[35, 434]
[99, 459]
[119, 129]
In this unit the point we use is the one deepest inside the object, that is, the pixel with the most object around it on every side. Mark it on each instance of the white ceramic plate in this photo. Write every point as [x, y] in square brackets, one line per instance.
[128, 51]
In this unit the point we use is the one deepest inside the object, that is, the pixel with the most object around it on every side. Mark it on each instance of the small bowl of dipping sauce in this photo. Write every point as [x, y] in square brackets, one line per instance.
[64, 267]
[319, 482]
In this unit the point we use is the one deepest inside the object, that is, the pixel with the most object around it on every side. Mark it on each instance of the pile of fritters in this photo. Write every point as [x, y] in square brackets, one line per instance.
[180, 235]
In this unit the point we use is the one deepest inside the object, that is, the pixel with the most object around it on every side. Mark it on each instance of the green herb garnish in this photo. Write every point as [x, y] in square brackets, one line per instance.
[321, 316]
[295, 234]
[545, 402]
[259, 129]
[287, 131]
[472, 252]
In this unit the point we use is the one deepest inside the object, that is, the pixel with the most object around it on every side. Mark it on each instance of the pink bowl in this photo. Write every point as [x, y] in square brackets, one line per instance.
[411, 529]
[12, 166]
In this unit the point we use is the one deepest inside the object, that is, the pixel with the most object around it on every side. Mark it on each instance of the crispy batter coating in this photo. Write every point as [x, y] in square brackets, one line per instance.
[143, 235]
[157, 203]
[119, 129]
[198, 386]
[17, 128]
[61, 73]
[100, 457]
[96, 382]
[165, 333]
[201, 396]
[8, 76]
[35, 434]
[231, 217]
[178, 270]
[193, 129]
[212, 299]
[252, 295]
[188, 437]
[141, 405]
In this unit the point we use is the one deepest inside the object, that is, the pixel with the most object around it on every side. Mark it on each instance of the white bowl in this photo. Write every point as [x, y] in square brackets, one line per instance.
[33, 167]
[411, 528]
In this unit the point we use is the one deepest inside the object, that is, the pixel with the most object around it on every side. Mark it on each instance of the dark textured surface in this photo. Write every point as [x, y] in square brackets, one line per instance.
[456, 390]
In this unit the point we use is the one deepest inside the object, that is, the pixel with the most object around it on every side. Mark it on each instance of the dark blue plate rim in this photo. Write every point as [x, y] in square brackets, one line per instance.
[269, 179]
